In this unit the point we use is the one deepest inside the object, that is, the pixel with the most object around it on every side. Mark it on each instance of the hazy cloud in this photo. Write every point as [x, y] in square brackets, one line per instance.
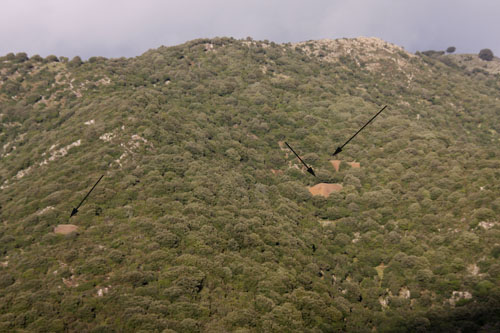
[115, 28]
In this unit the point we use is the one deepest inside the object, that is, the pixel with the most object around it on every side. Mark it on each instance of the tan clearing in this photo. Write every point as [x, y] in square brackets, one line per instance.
[336, 164]
[356, 165]
[64, 229]
[325, 189]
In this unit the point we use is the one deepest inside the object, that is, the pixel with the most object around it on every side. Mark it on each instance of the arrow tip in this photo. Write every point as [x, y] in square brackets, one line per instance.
[311, 171]
[73, 212]
[337, 151]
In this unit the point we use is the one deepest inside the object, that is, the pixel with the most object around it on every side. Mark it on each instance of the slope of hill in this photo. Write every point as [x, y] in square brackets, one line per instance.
[202, 223]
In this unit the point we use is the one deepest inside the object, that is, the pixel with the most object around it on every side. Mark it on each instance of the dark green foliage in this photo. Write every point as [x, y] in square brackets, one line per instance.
[21, 57]
[203, 223]
[51, 58]
[451, 49]
[75, 62]
[432, 53]
[486, 54]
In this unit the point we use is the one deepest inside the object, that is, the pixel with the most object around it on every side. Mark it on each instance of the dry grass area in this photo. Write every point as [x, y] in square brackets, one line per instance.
[64, 229]
[325, 189]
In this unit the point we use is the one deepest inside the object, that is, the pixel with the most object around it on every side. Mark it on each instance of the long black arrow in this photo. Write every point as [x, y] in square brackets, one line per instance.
[75, 210]
[309, 169]
[339, 149]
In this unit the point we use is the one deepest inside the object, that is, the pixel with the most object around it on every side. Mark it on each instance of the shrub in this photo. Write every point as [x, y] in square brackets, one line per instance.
[486, 54]
[451, 49]
[21, 57]
[75, 62]
[51, 58]
[37, 58]
[6, 280]
[432, 53]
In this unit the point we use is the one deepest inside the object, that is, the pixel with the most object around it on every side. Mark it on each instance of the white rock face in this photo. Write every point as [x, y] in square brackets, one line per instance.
[473, 269]
[106, 137]
[458, 295]
[487, 225]
[404, 292]
[54, 155]
[102, 291]
[45, 210]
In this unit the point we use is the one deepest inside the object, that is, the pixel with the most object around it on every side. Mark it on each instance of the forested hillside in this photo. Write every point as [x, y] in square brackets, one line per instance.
[204, 221]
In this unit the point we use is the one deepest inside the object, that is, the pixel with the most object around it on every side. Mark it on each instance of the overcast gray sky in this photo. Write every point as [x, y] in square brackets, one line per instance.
[115, 28]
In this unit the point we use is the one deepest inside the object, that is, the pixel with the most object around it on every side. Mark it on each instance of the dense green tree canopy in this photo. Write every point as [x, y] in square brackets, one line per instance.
[204, 222]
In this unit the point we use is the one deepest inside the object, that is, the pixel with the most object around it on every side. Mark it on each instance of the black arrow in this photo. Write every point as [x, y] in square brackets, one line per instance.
[309, 169]
[75, 210]
[339, 149]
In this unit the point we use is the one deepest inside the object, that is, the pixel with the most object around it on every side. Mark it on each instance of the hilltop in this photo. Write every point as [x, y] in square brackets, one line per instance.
[204, 222]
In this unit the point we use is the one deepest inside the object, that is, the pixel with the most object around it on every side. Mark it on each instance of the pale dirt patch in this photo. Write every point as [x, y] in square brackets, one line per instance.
[4, 263]
[102, 291]
[119, 160]
[404, 292]
[13, 124]
[325, 189]
[380, 270]
[384, 301]
[208, 46]
[71, 282]
[106, 137]
[105, 81]
[487, 225]
[355, 165]
[473, 269]
[60, 152]
[336, 164]
[458, 295]
[136, 140]
[45, 210]
[21, 173]
[64, 229]
[90, 122]
[277, 172]
[356, 237]
[326, 223]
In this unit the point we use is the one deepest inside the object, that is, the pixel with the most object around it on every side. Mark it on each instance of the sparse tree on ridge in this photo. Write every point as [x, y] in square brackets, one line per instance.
[486, 54]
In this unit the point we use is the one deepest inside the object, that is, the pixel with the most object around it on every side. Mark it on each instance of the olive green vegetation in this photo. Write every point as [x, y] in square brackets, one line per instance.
[190, 231]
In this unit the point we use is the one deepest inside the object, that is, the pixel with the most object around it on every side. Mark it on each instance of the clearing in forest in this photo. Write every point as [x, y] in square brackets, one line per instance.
[64, 229]
[325, 189]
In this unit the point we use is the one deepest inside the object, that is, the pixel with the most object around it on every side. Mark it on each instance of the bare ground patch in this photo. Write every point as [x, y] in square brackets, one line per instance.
[336, 164]
[64, 229]
[325, 189]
